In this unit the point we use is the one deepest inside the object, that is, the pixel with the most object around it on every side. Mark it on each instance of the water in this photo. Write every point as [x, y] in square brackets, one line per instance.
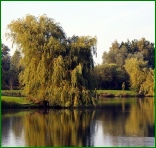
[118, 122]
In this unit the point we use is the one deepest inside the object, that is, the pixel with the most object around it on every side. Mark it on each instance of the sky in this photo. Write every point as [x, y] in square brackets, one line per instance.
[108, 21]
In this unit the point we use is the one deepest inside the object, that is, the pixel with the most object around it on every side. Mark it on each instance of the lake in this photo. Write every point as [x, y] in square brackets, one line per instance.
[116, 122]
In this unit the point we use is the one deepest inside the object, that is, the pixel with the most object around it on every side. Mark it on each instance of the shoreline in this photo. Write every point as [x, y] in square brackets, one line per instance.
[13, 99]
[14, 105]
[121, 95]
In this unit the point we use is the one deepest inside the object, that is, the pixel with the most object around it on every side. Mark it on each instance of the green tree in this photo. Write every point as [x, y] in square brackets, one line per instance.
[15, 69]
[5, 66]
[109, 76]
[56, 68]
[140, 50]
[147, 87]
[147, 49]
[137, 70]
[119, 52]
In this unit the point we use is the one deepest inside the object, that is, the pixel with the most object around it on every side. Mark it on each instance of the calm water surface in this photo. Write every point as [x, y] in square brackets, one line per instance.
[118, 122]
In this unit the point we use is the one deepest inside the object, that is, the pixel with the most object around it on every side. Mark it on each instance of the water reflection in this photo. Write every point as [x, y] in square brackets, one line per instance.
[111, 125]
[143, 114]
[137, 119]
[58, 128]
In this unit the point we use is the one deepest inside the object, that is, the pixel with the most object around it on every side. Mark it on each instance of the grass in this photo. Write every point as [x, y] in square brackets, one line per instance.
[20, 100]
[9, 102]
[117, 92]
[12, 99]
[114, 92]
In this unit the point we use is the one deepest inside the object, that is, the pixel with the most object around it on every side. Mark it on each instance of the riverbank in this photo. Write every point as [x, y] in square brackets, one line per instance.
[13, 99]
[118, 93]
[11, 102]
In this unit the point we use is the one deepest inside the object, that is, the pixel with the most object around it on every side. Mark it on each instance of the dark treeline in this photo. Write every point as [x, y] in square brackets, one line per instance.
[10, 68]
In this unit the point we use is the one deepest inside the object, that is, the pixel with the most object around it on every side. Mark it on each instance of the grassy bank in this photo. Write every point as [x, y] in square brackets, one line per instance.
[116, 93]
[9, 102]
[12, 99]
[18, 93]
[19, 100]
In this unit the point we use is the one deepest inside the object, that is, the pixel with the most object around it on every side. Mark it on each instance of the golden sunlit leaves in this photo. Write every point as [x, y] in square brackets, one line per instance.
[55, 68]
[137, 72]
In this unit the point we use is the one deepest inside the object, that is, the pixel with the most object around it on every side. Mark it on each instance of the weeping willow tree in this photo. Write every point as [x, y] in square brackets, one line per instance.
[56, 68]
[141, 77]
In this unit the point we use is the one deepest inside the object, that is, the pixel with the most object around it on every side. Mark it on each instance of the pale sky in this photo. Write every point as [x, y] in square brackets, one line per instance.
[108, 21]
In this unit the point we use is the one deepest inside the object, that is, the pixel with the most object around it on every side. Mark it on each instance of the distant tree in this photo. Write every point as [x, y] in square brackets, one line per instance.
[137, 55]
[5, 57]
[136, 51]
[141, 49]
[56, 68]
[109, 76]
[15, 69]
[5, 66]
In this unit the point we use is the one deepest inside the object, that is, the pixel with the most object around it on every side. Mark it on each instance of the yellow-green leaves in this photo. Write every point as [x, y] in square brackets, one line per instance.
[141, 77]
[147, 88]
[55, 68]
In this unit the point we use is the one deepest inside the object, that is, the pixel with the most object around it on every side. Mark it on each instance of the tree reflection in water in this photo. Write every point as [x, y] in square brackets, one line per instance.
[136, 120]
[59, 128]
[141, 119]
[78, 127]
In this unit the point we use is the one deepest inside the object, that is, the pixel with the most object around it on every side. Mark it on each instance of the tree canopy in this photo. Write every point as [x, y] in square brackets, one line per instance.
[5, 65]
[140, 49]
[55, 68]
[10, 68]
[130, 63]
[109, 76]
[141, 77]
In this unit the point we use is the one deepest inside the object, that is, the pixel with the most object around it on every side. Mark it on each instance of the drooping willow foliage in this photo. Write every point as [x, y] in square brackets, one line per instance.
[56, 68]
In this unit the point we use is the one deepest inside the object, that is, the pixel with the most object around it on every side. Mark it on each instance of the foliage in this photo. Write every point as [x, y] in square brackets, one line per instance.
[140, 49]
[5, 56]
[15, 69]
[10, 68]
[56, 68]
[137, 72]
[133, 59]
[141, 77]
[109, 76]
[147, 87]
